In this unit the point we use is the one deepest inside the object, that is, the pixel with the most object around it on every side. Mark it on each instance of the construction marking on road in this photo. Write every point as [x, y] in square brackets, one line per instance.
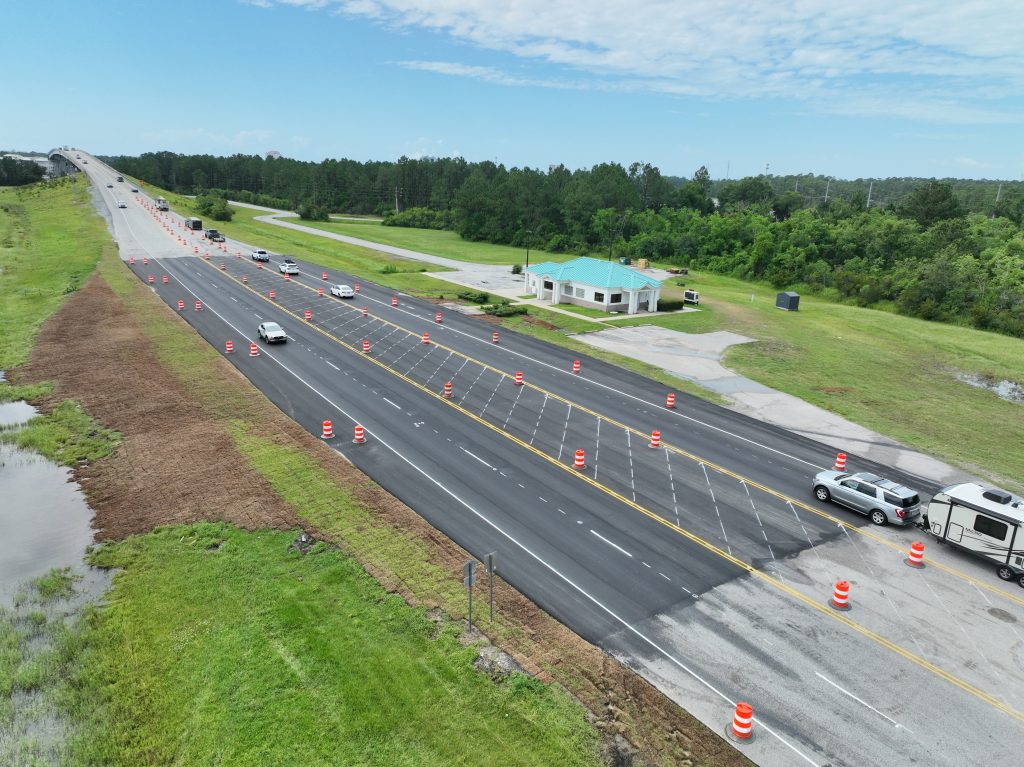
[816, 605]
[952, 571]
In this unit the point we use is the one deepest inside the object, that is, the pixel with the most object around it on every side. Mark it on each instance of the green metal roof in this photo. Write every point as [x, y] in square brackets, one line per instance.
[595, 272]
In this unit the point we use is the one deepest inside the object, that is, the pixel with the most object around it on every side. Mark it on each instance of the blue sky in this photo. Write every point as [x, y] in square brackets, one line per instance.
[849, 89]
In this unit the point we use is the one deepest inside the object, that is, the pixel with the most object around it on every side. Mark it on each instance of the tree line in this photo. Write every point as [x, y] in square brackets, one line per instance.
[950, 250]
[14, 172]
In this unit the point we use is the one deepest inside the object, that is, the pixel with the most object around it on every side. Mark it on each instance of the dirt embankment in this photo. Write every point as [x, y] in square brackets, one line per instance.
[178, 464]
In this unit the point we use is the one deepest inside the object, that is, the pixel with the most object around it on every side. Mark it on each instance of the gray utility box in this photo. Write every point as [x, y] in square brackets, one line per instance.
[789, 301]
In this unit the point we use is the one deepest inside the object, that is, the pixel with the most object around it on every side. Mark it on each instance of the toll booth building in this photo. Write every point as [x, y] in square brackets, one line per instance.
[594, 283]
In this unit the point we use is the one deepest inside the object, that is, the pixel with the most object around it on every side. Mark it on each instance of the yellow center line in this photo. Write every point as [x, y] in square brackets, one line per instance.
[863, 531]
[820, 607]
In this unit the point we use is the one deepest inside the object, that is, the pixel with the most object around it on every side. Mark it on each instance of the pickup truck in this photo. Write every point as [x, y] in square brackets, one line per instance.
[213, 235]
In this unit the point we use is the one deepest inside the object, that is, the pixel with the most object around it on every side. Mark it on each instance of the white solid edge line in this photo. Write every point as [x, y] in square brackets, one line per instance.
[572, 584]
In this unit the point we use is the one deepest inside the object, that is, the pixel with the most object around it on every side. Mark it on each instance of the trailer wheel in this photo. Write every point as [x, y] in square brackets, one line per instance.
[1005, 572]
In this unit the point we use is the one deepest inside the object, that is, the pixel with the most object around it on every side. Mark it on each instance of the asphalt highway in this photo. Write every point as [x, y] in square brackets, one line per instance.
[702, 563]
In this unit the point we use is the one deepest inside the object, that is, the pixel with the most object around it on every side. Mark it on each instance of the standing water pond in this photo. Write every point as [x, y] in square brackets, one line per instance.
[44, 586]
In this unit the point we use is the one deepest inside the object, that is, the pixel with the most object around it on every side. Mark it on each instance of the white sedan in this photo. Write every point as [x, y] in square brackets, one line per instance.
[342, 291]
[122, 204]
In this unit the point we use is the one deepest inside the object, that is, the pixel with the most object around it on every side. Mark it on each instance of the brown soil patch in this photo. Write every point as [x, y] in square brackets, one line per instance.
[178, 464]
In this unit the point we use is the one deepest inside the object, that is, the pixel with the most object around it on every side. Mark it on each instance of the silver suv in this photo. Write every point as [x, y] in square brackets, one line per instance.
[883, 500]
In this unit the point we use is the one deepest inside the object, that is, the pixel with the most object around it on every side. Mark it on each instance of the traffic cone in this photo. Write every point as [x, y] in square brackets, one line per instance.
[916, 556]
[578, 462]
[366, 311]
[670, 400]
[841, 596]
[576, 367]
[426, 338]
[742, 722]
[360, 435]
[165, 279]
[320, 292]
[437, 318]
[519, 378]
[323, 276]
[286, 276]
[655, 439]
[222, 267]
[494, 337]
[840, 462]
[150, 279]
[328, 432]
[394, 300]
[199, 305]
[356, 287]
[145, 260]
[254, 350]
[448, 389]
[131, 260]
[273, 295]
[229, 347]
[245, 279]
[366, 346]
[309, 315]
[181, 305]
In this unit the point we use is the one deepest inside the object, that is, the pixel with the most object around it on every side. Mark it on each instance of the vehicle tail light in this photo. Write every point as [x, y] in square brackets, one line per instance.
[900, 513]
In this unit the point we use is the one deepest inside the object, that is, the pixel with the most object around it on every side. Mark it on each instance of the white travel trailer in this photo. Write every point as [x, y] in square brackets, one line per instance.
[984, 521]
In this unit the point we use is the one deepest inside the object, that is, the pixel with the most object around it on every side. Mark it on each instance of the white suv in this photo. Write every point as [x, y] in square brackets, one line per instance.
[289, 267]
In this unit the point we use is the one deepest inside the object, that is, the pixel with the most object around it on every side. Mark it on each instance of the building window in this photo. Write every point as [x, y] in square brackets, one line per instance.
[580, 292]
[615, 299]
[548, 285]
[598, 298]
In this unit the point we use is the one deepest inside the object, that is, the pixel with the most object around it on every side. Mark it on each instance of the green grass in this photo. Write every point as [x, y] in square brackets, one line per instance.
[66, 435]
[11, 392]
[222, 647]
[890, 373]
[50, 241]
[438, 242]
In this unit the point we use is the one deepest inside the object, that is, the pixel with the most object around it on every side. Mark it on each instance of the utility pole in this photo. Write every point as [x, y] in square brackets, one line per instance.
[396, 199]
[727, 163]
[867, 205]
[766, 170]
[828, 182]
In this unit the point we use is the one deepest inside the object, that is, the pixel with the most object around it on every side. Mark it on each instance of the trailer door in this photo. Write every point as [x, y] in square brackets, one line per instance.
[955, 532]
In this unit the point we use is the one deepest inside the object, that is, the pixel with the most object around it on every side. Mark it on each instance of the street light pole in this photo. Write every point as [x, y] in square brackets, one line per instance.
[529, 236]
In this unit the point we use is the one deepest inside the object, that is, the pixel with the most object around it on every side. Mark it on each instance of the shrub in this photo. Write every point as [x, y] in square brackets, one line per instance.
[504, 309]
[309, 212]
[517, 268]
[670, 306]
[474, 296]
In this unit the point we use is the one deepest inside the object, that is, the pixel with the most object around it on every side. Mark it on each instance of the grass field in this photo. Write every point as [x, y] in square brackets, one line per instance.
[222, 647]
[50, 241]
[438, 243]
[890, 373]
[66, 435]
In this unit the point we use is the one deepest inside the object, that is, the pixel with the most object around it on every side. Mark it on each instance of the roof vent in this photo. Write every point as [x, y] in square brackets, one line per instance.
[997, 495]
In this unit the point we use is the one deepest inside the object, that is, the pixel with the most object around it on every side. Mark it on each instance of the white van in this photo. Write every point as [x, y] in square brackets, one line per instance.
[987, 522]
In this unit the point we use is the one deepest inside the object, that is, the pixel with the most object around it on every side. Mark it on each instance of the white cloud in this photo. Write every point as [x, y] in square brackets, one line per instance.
[956, 60]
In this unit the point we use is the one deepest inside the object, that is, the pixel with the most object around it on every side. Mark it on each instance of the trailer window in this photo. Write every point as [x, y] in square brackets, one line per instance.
[990, 527]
